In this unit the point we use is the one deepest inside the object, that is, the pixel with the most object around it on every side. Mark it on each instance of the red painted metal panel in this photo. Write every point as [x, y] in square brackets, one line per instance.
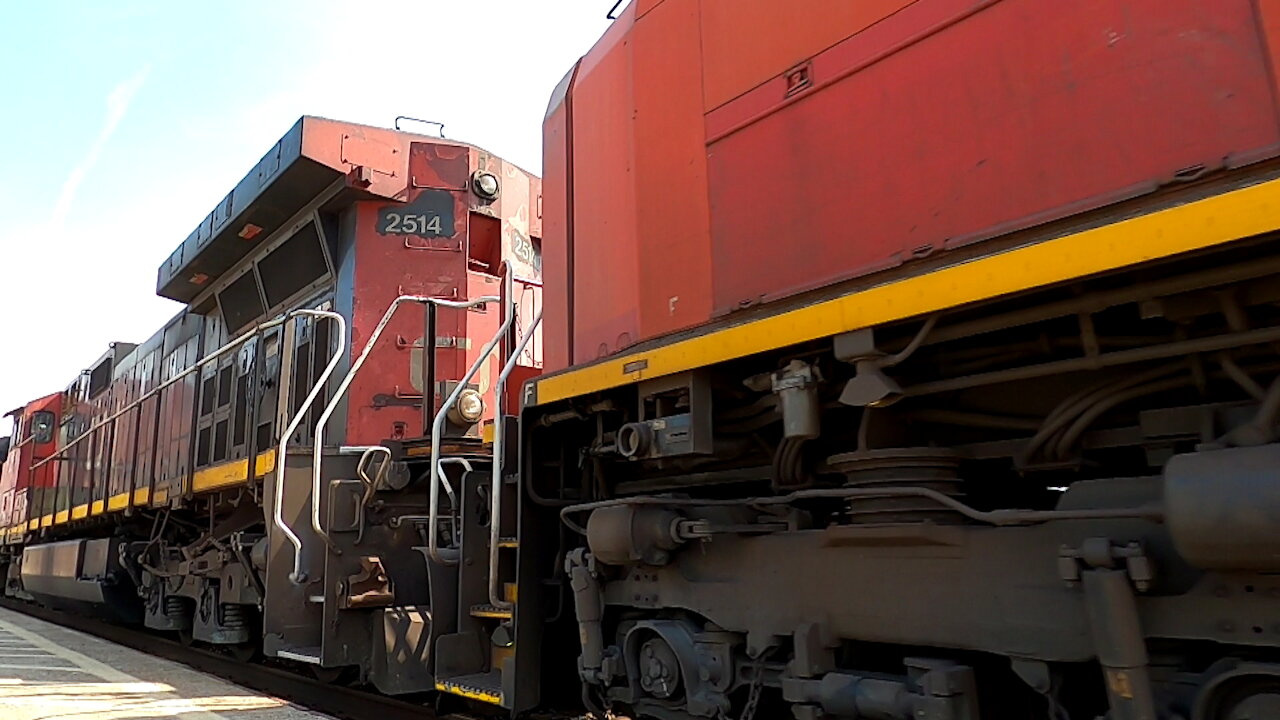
[385, 398]
[940, 126]
[672, 223]
[606, 243]
[557, 143]
[383, 401]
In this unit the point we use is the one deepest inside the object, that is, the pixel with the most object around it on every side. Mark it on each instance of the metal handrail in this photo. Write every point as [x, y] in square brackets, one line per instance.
[277, 513]
[495, 484]
[318, 443]
[437, 425]
[236, 342]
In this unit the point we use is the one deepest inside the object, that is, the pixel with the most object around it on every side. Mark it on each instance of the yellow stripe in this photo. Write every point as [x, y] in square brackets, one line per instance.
[33, 525]
[141, 496]
[1193, 226]
[481, 695]
[97, 507]
[160, 496]
[232, 473]
[80, 512]
[61, 516]
[118, 502]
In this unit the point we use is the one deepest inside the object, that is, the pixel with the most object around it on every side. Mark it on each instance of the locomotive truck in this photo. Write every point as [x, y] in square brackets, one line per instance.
[906, 359]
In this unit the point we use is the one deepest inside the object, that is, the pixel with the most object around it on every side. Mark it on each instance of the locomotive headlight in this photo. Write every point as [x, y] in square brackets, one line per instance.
[485, 184]
[468, 409]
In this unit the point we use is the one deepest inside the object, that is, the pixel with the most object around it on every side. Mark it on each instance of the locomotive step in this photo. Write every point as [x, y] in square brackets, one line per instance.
[508, 542]
[485, 610]
[485, 686]
[309, 655]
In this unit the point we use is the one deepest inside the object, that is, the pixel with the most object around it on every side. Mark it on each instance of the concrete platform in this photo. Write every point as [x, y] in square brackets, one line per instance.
[50, 673]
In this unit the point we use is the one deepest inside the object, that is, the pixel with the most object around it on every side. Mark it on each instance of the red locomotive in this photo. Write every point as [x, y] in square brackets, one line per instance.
[904, 360]
[922, 355]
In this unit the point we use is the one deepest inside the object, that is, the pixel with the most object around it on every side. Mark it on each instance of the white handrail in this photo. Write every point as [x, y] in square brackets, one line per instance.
[297, 576]
[437, 424]
[318, 442]
[495, 483]
[239, 340]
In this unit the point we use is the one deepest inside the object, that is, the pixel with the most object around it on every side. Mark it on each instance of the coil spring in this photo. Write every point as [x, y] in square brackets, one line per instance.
[175, 606]
[234, 617]
[931, 468]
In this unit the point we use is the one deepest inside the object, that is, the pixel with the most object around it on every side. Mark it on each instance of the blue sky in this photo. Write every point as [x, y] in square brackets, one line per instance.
[124, 122]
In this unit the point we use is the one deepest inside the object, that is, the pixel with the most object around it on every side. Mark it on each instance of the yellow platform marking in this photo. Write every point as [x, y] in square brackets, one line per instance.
[469, 693]
[80, 512]
[97, 507]
[1160, 234]
[235, 472]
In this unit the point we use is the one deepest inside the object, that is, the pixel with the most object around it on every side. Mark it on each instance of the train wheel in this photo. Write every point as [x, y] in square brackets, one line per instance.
[244, 652]
[1255, 698]
[331, 676]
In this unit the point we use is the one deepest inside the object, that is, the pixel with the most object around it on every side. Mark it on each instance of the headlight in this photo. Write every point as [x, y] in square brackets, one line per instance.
[468, 409]
[485, 184]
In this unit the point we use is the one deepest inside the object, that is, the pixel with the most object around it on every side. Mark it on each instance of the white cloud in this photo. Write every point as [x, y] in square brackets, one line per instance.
[118, 101]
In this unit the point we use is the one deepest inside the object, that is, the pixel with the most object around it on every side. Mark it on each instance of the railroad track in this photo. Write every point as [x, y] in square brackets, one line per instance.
[336, 700]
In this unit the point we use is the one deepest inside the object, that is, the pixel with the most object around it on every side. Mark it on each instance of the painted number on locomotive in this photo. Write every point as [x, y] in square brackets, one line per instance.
[525, 251]
[430, 214]
[397, 224]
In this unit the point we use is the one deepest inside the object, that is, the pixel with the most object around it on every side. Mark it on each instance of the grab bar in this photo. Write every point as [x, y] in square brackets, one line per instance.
[277, 513]
[437, 425]
[495, 484]
[318, 442]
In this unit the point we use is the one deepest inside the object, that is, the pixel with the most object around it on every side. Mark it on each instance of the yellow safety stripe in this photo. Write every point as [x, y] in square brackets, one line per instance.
[235, 472]
[80, 512]
[97, 507]
[1160, 234]
[118, 502]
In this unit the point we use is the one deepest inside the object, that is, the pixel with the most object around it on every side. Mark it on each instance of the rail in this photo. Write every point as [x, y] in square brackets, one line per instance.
[277, 509]
[437, 424]
[340, 393]
[234, 343]
[495, 483]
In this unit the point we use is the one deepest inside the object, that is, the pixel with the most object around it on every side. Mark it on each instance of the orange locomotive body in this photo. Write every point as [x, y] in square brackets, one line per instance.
[708, 156]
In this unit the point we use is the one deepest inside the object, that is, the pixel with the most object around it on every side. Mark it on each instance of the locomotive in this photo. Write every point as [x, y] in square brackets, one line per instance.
[907, 359]
[361, 294]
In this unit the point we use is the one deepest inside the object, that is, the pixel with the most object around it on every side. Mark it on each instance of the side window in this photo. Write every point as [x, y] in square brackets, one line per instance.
[42, 427]
[4, 448]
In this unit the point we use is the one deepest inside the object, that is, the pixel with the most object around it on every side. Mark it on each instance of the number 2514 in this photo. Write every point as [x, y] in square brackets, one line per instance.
[412, 224]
